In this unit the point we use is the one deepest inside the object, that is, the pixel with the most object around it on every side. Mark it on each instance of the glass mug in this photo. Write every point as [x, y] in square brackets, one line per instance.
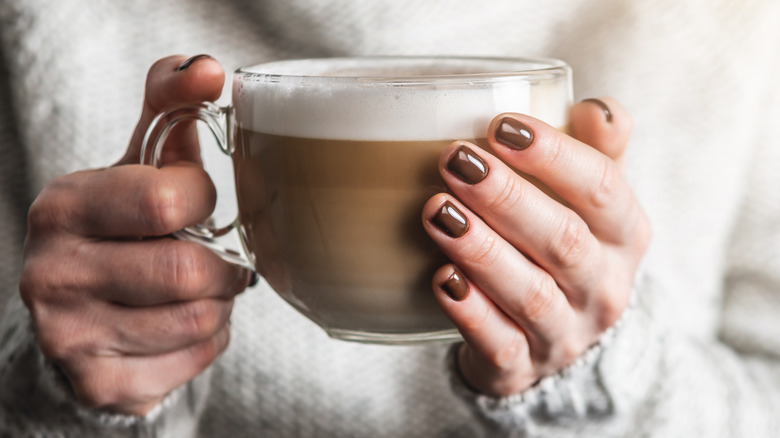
[333, 160]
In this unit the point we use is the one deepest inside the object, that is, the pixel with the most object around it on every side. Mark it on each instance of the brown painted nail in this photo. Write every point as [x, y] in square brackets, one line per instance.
[254, 279]
[603, 106]
[514, 134]
[451, 220]
[467, 165]
[186, 64]
[456, 286]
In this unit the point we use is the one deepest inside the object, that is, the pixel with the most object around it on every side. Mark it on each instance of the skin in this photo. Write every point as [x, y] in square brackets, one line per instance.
[546, 277]
[126, 313]
[129, 314]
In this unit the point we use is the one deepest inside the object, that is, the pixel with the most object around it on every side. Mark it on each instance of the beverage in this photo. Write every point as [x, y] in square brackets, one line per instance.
[344, 216]
[334, 160]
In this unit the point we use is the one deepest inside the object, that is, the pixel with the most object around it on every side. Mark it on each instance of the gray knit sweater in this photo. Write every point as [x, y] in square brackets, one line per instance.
[698, 354]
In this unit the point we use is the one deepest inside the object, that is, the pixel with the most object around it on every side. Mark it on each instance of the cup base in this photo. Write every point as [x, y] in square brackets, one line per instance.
[442, 336]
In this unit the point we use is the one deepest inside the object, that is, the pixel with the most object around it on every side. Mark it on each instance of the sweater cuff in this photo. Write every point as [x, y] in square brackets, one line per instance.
[603, 381]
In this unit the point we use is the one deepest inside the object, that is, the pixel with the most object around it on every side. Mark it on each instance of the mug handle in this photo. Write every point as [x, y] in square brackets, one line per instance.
[217, 119]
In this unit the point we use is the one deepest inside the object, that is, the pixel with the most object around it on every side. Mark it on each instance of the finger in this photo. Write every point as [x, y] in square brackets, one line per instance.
[109, 329]
[168, 85]
[162, 271]
[603, 124]
[521, 289]
[551, 234]
[133, 274]
[135, 384]
[125, 201]
[155, 330]
[587, 180]
[498, 341]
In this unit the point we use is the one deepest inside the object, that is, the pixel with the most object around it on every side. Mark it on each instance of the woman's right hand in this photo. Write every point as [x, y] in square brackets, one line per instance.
[127, 313]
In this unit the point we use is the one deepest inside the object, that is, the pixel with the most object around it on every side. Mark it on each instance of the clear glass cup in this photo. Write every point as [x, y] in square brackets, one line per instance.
[333, 160]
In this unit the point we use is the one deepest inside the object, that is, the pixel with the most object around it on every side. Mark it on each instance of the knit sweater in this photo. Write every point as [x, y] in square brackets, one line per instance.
[698, 352]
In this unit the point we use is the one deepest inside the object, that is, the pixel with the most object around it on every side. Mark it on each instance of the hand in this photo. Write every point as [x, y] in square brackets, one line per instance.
[126, 313]
[536, 275]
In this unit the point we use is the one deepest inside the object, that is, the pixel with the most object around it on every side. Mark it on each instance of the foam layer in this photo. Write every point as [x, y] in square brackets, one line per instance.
[420, 100]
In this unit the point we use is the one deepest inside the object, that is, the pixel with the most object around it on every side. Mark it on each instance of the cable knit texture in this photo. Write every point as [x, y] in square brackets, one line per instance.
[696, 356]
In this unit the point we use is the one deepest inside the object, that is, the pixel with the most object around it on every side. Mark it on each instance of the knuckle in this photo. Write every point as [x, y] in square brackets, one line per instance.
[486, 252]
[185, 269]
[31, 282]
[610, 308]
[134, 389]
[50, 209]
[47, 292]
[41, 215]
[200, 319]
[163, 207]
[52, 347]
[554, 152]
[93, 390]
[570, 246]
[609, 186]
[507, 198]
[42, 282]
[113, 386]
[204, 353]
[539, 299]
[505, 357]
[476, 322]
[569, 350]
[57, 276]
[58, 342]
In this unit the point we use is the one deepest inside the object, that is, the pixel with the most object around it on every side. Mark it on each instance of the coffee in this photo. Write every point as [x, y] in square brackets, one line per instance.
[334, 159]
[343, 217]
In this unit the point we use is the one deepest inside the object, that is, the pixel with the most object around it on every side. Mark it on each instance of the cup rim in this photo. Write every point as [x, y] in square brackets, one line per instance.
[535, 68]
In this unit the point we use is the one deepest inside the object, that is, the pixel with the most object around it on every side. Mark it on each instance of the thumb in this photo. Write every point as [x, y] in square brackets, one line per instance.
[172, 81]
[603, 124]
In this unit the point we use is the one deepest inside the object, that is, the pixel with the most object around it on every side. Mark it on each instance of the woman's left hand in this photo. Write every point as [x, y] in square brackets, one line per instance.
[537, 275]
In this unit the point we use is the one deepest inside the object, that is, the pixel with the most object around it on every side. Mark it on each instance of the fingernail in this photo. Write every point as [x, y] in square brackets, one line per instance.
[603, 106]
[467, 165]
[514, 134]
[456, 286]
[254, 279]
[451, 220]
[186, 64]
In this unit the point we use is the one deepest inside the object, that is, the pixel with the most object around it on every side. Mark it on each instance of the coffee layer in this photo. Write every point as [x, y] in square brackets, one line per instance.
[335, 227]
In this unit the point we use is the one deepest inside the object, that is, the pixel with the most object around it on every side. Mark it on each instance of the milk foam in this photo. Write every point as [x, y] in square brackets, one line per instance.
[342, 107]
